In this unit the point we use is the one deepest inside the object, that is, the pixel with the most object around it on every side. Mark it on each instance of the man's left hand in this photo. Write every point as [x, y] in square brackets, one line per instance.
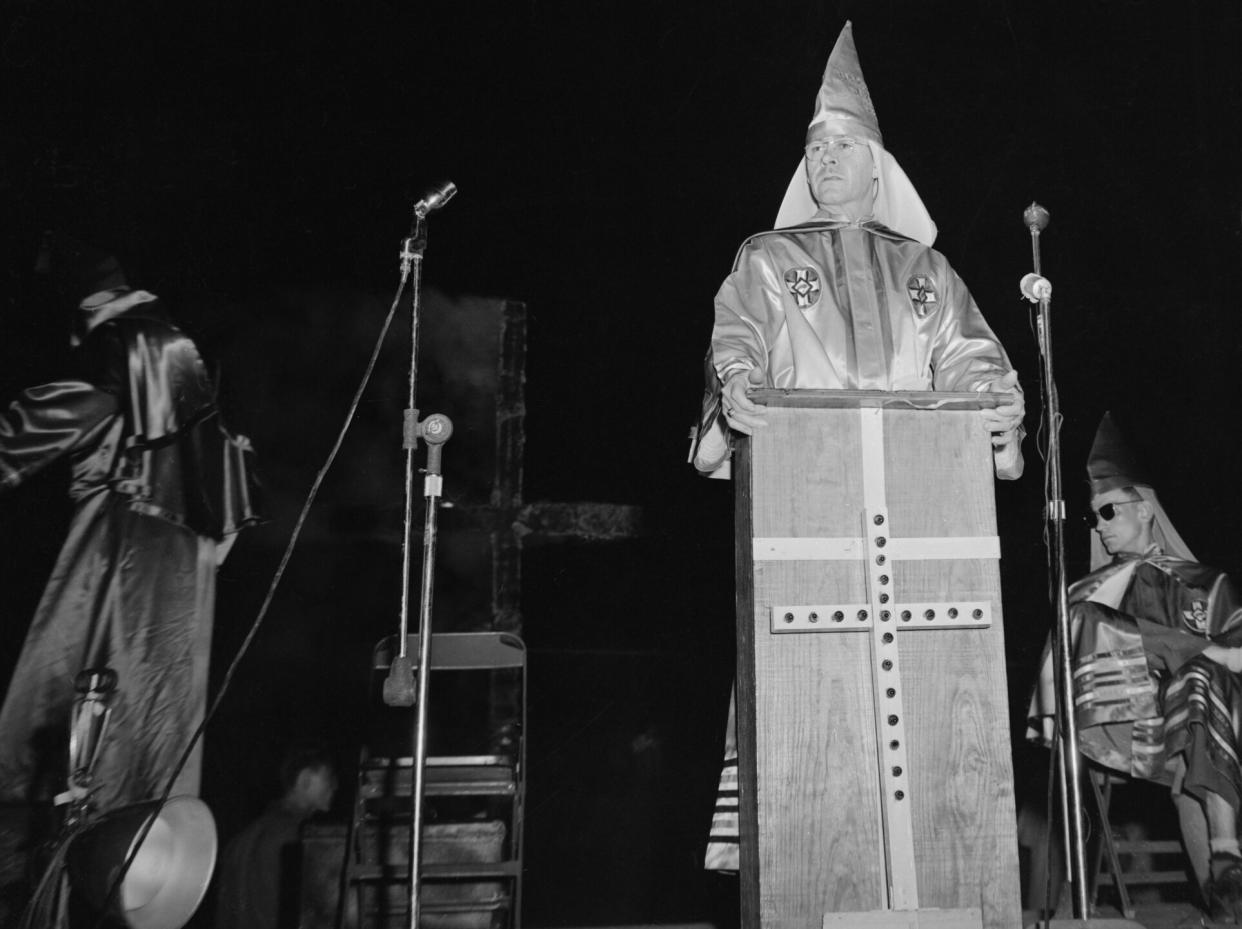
[1001, 421]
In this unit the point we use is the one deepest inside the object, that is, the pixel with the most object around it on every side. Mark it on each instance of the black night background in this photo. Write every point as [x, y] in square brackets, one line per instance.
[255, 164]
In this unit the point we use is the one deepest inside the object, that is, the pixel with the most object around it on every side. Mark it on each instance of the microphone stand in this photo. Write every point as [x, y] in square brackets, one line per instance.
[88, 731]
[1036, 219]
[404, 686]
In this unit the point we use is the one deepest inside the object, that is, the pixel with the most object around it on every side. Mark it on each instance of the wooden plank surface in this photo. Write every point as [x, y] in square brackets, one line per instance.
[818, 803]
[960, 756]
[818, 811]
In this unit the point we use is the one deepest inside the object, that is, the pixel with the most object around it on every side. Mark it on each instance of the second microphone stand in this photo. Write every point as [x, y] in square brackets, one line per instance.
[404, 685]
[1070, 767]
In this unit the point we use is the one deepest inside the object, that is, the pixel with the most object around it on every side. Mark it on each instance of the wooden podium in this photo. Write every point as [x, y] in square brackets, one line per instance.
[876, 782]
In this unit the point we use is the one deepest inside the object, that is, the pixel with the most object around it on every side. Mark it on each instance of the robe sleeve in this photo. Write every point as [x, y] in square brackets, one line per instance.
[748, 313]
[47, 422]
[1168, 648]
[966, 355]
[1225, 613]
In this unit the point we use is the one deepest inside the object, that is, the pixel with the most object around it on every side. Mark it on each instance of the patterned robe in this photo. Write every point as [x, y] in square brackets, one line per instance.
[1144, 694]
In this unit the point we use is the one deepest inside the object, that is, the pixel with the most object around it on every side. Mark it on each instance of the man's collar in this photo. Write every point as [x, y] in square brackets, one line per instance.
[825, 216]
[820, 225]
[1151, 551]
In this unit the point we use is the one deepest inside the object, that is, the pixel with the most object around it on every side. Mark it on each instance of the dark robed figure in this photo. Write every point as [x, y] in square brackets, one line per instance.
[158, 489]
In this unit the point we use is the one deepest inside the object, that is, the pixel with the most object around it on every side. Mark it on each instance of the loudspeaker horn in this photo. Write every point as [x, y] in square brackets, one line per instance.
[169, 875]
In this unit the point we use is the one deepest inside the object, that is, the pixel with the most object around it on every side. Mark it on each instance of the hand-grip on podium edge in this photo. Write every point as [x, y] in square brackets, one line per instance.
[887, 399]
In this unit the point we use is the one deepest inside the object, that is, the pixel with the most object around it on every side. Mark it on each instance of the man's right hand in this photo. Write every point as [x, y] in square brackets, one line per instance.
[742, 413]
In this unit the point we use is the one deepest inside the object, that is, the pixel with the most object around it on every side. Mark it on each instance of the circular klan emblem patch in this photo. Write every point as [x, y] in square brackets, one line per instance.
[803, 283]
[1196, 617]
[922, 291]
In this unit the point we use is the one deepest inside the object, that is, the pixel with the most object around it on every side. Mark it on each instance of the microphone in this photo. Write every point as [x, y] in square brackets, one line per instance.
[1036, 218]
[1035, 287]
[435, 198]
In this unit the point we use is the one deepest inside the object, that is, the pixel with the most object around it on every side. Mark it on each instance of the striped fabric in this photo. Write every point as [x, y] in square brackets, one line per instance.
[722, 842]
[1115, 681]
[1202, 710]
[1144, 695]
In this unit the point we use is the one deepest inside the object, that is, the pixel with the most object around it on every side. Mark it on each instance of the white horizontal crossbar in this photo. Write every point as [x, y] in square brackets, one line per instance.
[946, 547]
[837, 617]
[859, 617]
[809, 549]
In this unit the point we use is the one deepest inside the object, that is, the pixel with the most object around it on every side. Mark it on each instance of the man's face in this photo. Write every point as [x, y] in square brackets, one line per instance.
[1129, 531]
[319, 788]
[840, 171]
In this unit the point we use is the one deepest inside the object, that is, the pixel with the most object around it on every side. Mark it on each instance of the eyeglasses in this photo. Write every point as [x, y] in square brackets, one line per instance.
[1105, 513]
[840, 147]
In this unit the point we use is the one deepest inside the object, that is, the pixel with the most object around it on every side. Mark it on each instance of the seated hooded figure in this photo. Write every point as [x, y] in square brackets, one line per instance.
[847, 293]
[1154, 632]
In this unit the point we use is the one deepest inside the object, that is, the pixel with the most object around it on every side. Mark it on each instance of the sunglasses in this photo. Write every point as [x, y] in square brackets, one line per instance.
[1105, 513]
